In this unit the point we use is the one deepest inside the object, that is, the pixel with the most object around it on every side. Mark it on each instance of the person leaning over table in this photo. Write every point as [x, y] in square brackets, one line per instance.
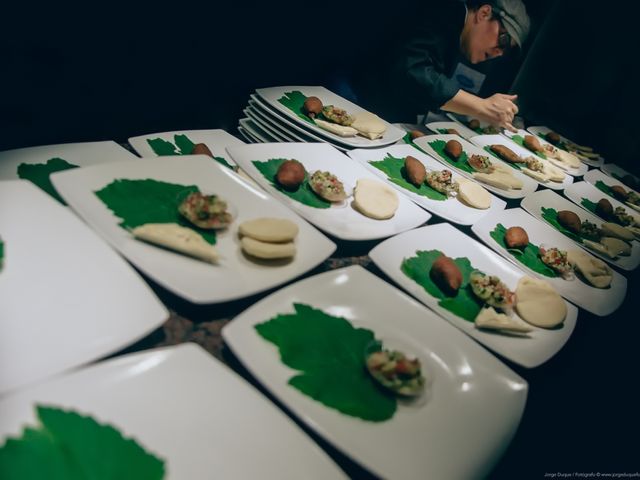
[419, 78]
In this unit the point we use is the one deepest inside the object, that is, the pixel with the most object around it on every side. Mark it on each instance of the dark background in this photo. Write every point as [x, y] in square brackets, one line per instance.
[83, 74]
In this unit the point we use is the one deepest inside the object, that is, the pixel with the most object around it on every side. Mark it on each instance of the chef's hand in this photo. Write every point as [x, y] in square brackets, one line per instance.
[499, 110]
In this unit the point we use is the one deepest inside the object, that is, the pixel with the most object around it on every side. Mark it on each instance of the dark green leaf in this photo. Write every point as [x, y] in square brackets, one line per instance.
[38, 173]
[603, 187]
[551, 216]
[70, 446]
[517, 166]
[162, 147]
[330, 354]
[461, 163]
[589, 205]
[138, 202]
[464, 304]
[520, 141]
[184, 144]
[294, 102]
[302, 194]
[408, 140]
[529, 256]
[393, 167]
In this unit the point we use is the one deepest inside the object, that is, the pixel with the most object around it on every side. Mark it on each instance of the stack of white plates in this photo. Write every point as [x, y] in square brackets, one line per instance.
[268, 120]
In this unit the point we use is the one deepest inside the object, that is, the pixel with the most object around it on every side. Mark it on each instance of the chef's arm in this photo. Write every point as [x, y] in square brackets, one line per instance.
[498, 109]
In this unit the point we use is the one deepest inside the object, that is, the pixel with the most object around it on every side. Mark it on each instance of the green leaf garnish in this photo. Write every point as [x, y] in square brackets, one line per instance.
[409, 141]
[38, 174]
[517, 166]
[603, 187]
[183, 146]
[520, 141]
[67, 445]
[551, 216]
[294, 101]
[303, 194]
[330, 355]
[464, 304]
[461, 163]
[393, 167]
[138, 202]
[528, 256]
[589, 205]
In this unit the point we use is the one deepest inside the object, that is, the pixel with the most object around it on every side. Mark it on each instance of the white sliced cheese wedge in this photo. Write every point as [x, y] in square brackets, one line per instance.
[635, 207]
[499, 179]
[341, 130]
[554, 173]
[635, 231]
[499, 167]
[599, 247]
[177, 238]
[618, 231]
[539, 304]
[539, 176]
[568, 158]
[490, 319]
[375, 199]
[369, 125]
[594, 270]
[616, 246]
[472, 194]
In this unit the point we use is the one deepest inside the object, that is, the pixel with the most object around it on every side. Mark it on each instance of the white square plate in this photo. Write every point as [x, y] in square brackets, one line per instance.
[272, 94]
[529, 351]
[258, 133]
[540, 131]
[260, 112]
[185, 407]
[341, 221]
[463, 120]
[66, 298]
[548, 199]
[217, 140]
[529, 184]
[235, 276]
[474, 402]
[261, 120]
[614, 170]
[247, 136]
[595, 175]
[483, 141]
[581, 190]
[451, 209]
[598, 301]
[265, 127]
[465, 132]
[576, 172]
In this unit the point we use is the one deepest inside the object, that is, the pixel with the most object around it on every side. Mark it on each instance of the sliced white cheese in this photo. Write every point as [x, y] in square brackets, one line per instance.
[594, 270]
[617, 246]
[375, 199]
[568, 158]
[178, 238]
[599, 247]
[499, 179]
[369, 125]
[539, 304]
[554, 173]
[490, 319]
[341, 130]
[618, 231]
[539, 176]
[472, 194]
[635, 207]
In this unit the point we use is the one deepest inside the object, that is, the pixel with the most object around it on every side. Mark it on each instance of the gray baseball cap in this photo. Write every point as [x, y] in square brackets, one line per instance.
[514, 17]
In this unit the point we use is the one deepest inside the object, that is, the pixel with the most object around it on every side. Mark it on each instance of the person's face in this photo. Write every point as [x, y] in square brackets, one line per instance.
[487, 37]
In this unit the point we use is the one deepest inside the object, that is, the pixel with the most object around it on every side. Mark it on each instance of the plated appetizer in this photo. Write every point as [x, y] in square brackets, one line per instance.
[396, 372]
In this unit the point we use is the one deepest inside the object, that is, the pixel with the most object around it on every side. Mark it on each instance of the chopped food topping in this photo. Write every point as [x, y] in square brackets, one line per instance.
[393, 370]
[442, 181]
[490, 289]
[327, 186]
[622, 217]
[534, 164]
[557, 260]
[337, 115]
[480, 163]
[590, 230]
[205, 211]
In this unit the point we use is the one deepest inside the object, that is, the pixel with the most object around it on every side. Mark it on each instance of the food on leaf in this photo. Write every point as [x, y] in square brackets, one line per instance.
[532, 143]
[619, 192]
[201, 149]
[416, 134]
[442, 181]
[446, 275]
[491, 289]
[177, 238]
[516, 237]
[205, 211]
[604, 208]
[552, 137]
[570, 220]
[327, 186]
[291, 174]
[453, 148]
[539, 304]
[621, 216]
[474, 124]
[416, 173]
[480, 163]
[395, 371]
[337, 115]
[590, 231]
[556, 259]
[312, 106]
[505, 153]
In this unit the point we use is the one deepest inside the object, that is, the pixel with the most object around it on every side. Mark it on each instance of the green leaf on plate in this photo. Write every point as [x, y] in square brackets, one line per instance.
[138, 202]
[38, 174]
[302, 194]
[409, 141]
[551, 216]
[520, 141]
[183, 146]
[561, 144]
[1, 253]
[330, 355]
[294, 101]
[70, 446]
[589, 205]
[529, 256]
[461, 163]
[603, 187]
[517, 166]
[393, 167]
[464, 304]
